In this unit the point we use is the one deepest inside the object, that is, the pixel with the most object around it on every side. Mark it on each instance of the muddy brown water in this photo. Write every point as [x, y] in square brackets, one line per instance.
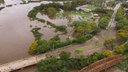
[15, 35]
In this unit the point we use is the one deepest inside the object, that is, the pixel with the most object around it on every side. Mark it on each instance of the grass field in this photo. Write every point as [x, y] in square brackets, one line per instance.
[83, 14]
[91, 7]
[89, 46]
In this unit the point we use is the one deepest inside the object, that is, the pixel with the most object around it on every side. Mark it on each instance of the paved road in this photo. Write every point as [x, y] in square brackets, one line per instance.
[112, 20]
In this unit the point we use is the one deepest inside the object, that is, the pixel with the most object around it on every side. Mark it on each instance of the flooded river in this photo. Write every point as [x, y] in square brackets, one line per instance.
[15, 35]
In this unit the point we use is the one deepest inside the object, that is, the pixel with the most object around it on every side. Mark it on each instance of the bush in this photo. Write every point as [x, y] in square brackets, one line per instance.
[65, 62]
[83, 27]
[82, 39]
[110, 43]
[119, 14]
[126, 45]
[42, 46]
[107, 53]
[119, 49]
[103, 22]
[101, 10]
[51, 64]
[36, 33]
[123, 22]
[123, 65]
[32, 48]
[51, 12]
[65, 55]
[51, 24]
[96, 30]
[61, 28]
[122, 34]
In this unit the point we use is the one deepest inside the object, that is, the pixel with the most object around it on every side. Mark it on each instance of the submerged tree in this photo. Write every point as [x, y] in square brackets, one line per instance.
[36, 33]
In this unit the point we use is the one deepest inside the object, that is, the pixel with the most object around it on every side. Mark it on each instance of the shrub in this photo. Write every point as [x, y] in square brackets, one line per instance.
[51, 64]
[65, 62]
[101, 10]
[107, 53]
[123, 22]
[65, 55]
[122, 34]
[103, 22]
[32, 48]
[36, 33]
[61, 28]
[51, 12]
[82, 39]
[119, 14]
[126, 45]
[119, 49]
[110, 43]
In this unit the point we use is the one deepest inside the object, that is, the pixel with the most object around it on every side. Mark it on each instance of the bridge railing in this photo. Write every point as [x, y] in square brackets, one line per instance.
[103, 64]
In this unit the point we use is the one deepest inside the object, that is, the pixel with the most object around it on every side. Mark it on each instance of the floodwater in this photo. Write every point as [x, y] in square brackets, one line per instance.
[57, 21]
[10, 2]
[15, 35]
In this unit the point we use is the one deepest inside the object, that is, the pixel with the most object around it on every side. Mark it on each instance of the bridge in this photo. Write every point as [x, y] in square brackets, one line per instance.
[103, 64]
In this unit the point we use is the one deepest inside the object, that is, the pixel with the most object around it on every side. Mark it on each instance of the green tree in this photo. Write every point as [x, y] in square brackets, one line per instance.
[107, 53]
[33, 47]
[36, 33]
[51, 11]
[51, 64]
[119, 14]
[119, 49]
[123, 22]
[110, 43]
[83, 27]
[103, 22]
[65, 55]
[43, 46]
[122, 34]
